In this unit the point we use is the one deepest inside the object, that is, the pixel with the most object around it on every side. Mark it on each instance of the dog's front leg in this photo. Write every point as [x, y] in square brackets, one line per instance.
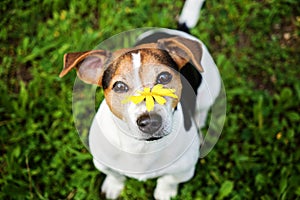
[167, 185]
[113, 183]
[113, 186]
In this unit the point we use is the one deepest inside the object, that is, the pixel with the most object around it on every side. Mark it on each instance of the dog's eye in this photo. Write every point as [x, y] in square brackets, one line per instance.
[164, 78]
[120, 87]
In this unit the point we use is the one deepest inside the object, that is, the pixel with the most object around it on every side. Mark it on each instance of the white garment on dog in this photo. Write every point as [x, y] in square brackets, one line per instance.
[111, 147]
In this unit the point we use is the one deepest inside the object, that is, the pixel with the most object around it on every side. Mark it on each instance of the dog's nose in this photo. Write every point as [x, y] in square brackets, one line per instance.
[149, 123]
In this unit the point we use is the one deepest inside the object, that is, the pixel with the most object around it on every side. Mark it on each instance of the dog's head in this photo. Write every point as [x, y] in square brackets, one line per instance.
[126, 72]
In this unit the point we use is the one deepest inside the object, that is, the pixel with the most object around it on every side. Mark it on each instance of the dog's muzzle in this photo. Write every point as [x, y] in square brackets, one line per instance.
[149, 123]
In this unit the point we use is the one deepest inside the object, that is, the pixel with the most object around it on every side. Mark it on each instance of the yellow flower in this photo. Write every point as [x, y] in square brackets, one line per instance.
[157, 94]
[278, 136]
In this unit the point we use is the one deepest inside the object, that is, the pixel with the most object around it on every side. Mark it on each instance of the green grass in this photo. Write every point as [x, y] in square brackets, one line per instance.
[255, 44]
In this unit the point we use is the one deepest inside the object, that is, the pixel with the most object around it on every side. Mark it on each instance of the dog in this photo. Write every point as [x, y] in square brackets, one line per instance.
[157, 96]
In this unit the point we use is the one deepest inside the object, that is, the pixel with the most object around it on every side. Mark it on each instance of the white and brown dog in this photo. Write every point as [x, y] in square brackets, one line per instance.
[131, 140]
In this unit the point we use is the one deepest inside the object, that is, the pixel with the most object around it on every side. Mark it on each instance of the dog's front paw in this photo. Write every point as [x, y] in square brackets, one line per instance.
[112, 186]
[165, 192]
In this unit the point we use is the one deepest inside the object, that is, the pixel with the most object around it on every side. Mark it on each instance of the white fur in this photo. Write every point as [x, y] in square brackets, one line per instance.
[136, 63]
[136, 60]
[116, 153]
[191, 12]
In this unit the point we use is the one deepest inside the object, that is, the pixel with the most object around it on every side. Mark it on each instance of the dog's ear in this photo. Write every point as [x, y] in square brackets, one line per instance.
[182, 51]
[89, 65]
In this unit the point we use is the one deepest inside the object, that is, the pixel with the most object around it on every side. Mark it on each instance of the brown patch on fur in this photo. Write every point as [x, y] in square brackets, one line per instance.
[153, 62]
[104, 68]
[182, 51]
[123, 72]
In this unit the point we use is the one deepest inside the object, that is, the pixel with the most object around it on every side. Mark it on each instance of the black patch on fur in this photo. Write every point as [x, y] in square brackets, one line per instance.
[183, 27]
[192, 75]
[191, 80]
[108, 74]
[153, 38]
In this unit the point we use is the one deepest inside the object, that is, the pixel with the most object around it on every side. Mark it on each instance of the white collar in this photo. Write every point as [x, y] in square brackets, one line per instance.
[111, 147]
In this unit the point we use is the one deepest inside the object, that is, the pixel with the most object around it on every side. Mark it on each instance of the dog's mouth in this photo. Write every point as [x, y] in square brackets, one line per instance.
[153, 139]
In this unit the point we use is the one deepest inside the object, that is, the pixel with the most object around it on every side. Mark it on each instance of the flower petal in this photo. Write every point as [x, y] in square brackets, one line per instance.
[160, 91]
[161, 100]
[126, 100]
[146, 90]
[149, 103]
[157, 93]
[172, 95]
[137, 99]
[157, 87]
